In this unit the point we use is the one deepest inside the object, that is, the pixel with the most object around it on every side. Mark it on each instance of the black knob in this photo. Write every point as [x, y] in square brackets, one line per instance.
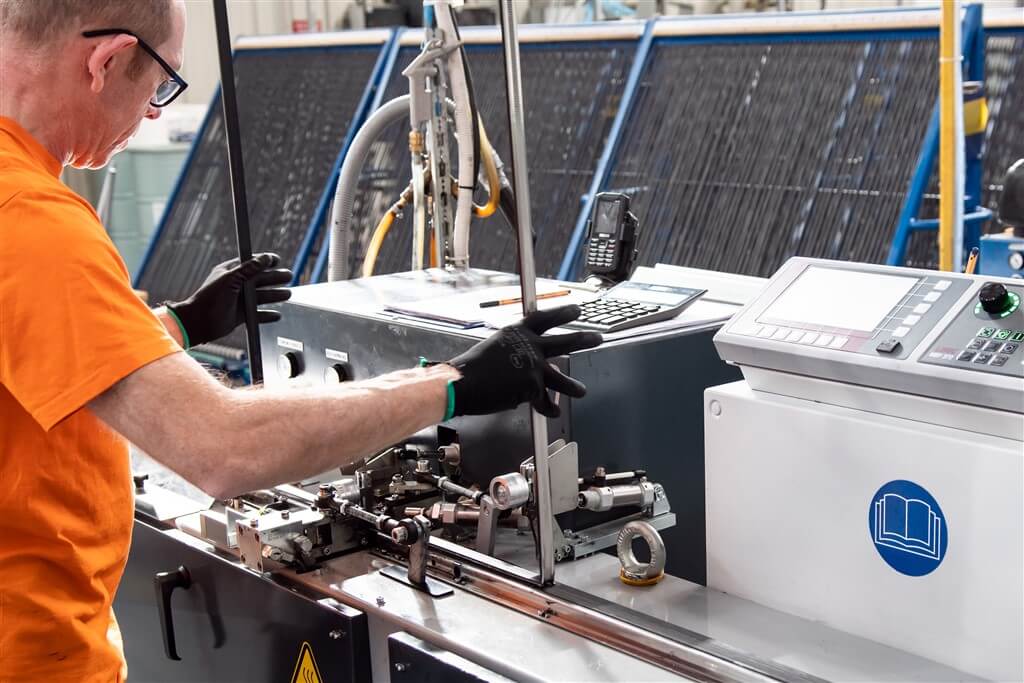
[994, 298]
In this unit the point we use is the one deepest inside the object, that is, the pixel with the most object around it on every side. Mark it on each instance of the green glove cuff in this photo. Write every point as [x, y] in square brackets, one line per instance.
[449, 413]
[184, 334]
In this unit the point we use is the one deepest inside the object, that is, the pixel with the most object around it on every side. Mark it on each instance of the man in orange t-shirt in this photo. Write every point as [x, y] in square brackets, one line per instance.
[85, 365]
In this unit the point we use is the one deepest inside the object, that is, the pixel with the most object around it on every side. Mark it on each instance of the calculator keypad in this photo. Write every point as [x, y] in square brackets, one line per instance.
[607, 312]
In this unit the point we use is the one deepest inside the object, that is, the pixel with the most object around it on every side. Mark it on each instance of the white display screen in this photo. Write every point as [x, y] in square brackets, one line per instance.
[839, 299]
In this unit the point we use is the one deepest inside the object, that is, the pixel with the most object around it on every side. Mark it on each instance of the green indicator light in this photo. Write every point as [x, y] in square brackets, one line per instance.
[1003, 334]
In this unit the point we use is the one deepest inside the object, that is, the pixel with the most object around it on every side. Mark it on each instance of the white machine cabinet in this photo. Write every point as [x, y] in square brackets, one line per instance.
[869, 470]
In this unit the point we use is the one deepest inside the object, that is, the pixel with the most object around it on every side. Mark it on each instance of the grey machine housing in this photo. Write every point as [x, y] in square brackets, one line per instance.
[643, 408]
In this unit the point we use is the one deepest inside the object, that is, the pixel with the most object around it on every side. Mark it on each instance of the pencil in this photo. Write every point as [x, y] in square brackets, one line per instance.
[972, 261]
[518, 299]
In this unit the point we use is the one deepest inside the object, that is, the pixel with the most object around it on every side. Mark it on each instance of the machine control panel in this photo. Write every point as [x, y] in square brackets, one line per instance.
[854, 312]
[948, 336]
[986, 336]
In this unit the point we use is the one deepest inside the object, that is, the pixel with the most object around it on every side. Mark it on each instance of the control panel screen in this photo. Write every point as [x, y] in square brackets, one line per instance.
[839, 299]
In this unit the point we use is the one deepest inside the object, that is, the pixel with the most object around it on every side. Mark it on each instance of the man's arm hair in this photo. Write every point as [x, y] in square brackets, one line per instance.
[229, 441]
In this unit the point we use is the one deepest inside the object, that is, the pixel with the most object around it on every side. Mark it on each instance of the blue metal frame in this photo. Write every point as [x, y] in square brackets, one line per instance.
[571, 259]
[974, 49]
[312, 230]
[643, 51]
[319, 216]
[176, 189]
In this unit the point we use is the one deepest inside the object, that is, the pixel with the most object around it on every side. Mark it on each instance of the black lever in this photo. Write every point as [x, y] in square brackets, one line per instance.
[165, 583]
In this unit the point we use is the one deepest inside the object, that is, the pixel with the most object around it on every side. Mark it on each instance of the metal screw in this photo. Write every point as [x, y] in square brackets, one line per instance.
[285, 514]
[401, 666]
[254, 522]
[599, 472]
[399, 534]
[336, 634]
[380, 601]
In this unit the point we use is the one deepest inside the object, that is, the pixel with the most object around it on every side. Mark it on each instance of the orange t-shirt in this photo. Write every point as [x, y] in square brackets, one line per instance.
[70, 328]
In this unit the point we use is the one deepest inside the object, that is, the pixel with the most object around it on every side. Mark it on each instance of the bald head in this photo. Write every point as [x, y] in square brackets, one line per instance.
[45, 22]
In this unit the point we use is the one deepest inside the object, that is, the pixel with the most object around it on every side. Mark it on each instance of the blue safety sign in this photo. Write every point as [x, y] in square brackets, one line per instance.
[908, 528]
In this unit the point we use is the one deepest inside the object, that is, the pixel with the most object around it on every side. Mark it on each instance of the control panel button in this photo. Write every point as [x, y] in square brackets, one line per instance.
[1009, 348]
[289, 364]
[888, 346]
[1017, 336]
[838, 343]
[795, 335]
[932, 297]
[911, 320]
[767, 331]
[994, 298]
[976, 344]
[966, 356]
[781, 333]
[336, 374]
[809, 338]
[986, 332]
[999, 360]
[901, 332]
[921, 309]
[993, 346]
[823, 340]
[983, 358]
[1003, 334]
[943, 285]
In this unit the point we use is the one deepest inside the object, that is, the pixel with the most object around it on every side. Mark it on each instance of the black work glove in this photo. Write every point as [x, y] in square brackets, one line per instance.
[216, 308]
[511, 367]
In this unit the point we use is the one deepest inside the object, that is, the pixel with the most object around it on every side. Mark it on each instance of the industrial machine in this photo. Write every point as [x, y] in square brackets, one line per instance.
[868, 472]
[473, 550]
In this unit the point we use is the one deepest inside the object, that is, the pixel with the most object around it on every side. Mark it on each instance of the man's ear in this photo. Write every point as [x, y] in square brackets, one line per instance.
[107, 52]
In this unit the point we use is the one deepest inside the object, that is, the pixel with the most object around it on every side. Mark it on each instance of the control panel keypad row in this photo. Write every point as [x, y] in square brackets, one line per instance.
[797, 336]
[990, 347]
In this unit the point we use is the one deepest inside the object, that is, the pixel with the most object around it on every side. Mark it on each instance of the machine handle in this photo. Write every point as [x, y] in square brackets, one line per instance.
[165, 583]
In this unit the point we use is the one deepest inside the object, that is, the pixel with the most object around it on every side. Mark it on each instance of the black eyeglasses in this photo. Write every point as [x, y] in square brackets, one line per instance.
[169, 89]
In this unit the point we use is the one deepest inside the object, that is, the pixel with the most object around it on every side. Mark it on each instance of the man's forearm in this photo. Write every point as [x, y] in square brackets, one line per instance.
[276, 436]
[228, 441]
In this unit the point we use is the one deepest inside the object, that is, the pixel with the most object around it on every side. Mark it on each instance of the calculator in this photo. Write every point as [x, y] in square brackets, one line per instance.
[631, 304]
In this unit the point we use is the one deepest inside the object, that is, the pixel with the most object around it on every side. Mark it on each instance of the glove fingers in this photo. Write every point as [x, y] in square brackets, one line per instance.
[276, 276]
[545, 406]
[272, 296]
[268, 316]
[257, 263]
[542, 321]
[563, 384]
[562, 344]
[268, 258]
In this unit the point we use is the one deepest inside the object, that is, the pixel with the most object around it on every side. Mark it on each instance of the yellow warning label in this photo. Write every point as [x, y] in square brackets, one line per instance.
[306, 670]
